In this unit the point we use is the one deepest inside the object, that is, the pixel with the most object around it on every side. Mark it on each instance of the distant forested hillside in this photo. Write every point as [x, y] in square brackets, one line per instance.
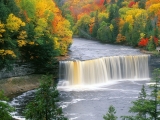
[39, 30]
[129, 22]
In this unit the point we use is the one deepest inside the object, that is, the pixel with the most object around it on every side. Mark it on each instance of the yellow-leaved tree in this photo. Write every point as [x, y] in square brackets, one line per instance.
[151, 2]
[22, 38]
[2, 30]
[61, 29]
[154, 8]
[14, 23]
[48, 23]
[41, 27]
[51, 22]
[136, 14]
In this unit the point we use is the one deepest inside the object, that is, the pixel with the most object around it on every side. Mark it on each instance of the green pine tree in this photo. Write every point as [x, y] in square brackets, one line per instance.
[43, 106]
[5, 108]
[141, 4]
[146, 106]
[154, 101]
[138, 28]
[128, 37]
[140, 107]
[114, 31]
[135, 35]
[149, 28]
[119, 3]
[96, 26]
[11, 4]
[104, 34]
[4, 12]
[7, 7]
[110, 115]
[111, 13]
[125, 28]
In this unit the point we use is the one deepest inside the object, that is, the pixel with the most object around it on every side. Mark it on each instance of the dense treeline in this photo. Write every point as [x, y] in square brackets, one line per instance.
[33, 31]
[129, 22]
[38, 30]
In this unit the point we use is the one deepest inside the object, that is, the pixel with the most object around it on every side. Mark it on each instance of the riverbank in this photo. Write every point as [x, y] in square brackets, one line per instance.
[17, 85]
[95, 98]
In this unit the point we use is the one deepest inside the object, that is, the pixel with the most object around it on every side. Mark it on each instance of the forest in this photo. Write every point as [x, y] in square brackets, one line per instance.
[37, 31]
[32, 31]
[129, 22]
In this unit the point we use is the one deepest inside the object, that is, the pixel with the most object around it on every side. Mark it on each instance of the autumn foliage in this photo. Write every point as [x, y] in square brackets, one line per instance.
[143, 42]
[131, 4]
[155, 41]
[131, 22]
[33, 31]
[48, 25]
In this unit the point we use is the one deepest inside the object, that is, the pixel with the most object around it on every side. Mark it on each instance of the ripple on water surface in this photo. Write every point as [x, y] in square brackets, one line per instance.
[91, 102]
[83, 49]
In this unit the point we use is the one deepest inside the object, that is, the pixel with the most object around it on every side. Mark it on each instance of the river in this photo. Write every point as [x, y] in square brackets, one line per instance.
[90, 101]
[83, 49]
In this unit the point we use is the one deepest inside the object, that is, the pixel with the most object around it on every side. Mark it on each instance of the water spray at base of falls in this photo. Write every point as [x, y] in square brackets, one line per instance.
[104, 69]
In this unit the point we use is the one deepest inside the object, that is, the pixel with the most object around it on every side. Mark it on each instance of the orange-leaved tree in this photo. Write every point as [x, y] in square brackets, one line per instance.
[46, 34]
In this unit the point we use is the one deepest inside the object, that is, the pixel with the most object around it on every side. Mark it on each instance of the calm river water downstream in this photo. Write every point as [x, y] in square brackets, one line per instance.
[91, 101]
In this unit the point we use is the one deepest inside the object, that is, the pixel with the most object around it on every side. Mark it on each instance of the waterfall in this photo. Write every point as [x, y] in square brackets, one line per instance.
[104, 69]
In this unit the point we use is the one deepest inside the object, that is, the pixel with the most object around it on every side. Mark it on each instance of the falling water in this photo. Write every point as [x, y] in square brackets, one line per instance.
[104, 69]
[96, 84]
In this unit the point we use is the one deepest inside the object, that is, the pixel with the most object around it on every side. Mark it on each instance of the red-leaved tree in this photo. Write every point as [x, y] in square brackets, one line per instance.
[131, 4]
[143, 42]
[155, 41]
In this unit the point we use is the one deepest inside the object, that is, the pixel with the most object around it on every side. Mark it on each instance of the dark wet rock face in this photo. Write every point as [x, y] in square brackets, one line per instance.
[18, 69]
[154, 62]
